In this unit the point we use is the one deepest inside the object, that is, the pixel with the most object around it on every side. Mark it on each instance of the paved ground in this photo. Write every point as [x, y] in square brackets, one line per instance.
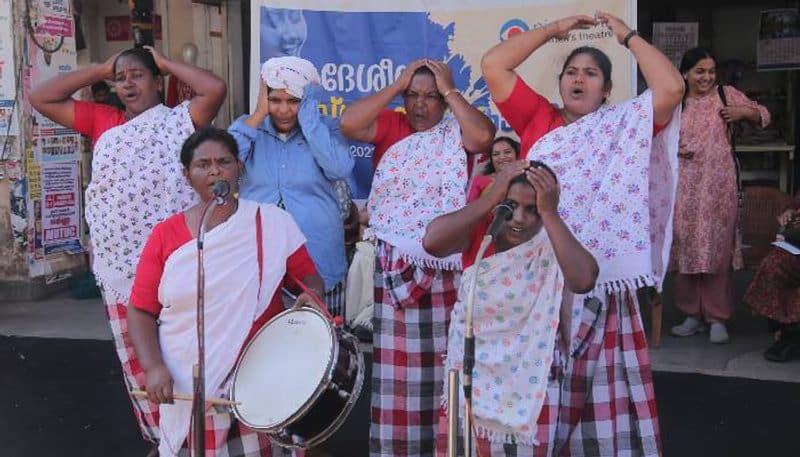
[62, 390]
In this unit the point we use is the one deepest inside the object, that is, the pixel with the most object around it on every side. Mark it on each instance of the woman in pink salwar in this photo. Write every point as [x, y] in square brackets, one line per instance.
[704, 249]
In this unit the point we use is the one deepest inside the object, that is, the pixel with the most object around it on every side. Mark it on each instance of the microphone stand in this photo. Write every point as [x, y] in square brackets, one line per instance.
[199, 369]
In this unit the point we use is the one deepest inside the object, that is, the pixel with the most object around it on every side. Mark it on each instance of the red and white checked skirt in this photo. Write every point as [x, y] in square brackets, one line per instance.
[225, 436]
[546, 426]
[412, 312]
[608, 406]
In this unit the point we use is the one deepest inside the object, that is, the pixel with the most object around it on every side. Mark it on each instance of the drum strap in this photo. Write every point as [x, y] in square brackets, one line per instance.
[260, 250]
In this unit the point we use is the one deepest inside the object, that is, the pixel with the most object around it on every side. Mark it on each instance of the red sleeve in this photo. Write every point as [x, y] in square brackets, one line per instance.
[163, 241]
[299, 264]
[392, 126]
[144, 295]
[479, 184]
[522, 106]
[93, 119]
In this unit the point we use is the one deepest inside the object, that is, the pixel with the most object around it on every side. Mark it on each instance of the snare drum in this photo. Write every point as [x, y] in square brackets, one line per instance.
[297, 379]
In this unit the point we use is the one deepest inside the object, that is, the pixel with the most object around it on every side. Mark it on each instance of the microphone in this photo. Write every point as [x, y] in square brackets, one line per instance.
[502, 213]
[220, 190]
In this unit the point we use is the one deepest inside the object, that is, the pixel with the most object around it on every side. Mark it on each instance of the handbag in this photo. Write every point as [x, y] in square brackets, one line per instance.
[739, 190]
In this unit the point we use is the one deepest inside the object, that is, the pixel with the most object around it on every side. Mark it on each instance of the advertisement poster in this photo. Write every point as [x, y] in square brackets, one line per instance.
[60, 208]
[8, 118]
[361, 47]
[675, 38]
[57, 148]
[779, 40]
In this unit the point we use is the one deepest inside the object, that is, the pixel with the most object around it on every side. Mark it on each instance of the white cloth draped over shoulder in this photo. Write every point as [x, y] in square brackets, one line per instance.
[419, 178]
[235, 297]
[137, 182]
[515, 319]
[618, 189]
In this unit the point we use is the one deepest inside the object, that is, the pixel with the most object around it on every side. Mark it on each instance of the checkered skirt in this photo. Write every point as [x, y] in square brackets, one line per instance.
[545, 432]
[411, 315]
[608, 406]
[225, 436]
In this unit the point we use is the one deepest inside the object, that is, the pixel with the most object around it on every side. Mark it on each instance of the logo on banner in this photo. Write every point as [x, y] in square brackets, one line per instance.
[512, 27]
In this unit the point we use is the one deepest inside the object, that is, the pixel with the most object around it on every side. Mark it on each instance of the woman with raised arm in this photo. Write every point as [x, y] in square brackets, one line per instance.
[137, 178]
[617, 165]
[421, 160]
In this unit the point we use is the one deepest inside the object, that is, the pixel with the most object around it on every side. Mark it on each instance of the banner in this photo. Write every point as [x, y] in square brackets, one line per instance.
[361, 47]
[60, 208]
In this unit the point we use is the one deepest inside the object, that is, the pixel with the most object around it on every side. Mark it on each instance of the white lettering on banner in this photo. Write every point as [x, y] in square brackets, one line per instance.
[361, 151]
[345, 77]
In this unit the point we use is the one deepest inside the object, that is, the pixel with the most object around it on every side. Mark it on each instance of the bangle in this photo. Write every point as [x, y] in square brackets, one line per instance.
[628, 37]
[450, 91]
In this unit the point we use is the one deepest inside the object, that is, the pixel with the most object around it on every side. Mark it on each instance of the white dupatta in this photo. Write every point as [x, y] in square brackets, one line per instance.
[419, 178]
[137, 182]
[618, 189]
[232, 303]
[515, 319]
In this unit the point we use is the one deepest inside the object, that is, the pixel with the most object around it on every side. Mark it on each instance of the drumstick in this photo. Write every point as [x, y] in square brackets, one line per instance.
[187, 397]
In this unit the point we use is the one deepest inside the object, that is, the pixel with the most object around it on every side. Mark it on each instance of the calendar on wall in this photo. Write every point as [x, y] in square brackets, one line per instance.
[779, 39]
[675, 38]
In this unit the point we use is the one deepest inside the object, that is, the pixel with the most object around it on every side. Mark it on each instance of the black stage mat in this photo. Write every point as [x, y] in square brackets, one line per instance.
[66, 397]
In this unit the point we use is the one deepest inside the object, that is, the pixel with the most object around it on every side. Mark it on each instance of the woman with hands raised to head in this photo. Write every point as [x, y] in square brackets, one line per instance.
[137, 178]
[617, 165]
[421, 173]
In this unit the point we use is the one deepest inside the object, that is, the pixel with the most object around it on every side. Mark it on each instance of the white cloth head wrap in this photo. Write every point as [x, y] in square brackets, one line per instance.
[290, 73]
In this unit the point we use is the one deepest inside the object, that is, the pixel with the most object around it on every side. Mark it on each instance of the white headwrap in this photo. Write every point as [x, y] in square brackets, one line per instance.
[290, 73]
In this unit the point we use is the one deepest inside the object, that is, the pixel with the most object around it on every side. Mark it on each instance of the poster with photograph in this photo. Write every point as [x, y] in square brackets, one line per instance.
[675, 38]
[779, 40]
[360, 48]
[60, 208]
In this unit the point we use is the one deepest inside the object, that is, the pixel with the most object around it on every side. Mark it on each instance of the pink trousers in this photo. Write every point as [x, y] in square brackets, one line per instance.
[706, 296]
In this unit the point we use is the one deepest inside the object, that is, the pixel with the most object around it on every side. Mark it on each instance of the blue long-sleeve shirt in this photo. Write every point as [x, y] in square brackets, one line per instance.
[299, 173]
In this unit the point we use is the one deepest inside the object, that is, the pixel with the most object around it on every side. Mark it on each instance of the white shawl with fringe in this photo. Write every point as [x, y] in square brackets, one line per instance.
[419, 178]
[515, 319]
[618, 189]
[137, 182]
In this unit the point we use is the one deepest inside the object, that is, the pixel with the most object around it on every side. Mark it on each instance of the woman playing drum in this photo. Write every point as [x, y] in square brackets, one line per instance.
[249, 249]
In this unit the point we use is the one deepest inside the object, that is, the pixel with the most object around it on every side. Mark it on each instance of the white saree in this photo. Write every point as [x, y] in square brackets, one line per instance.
[234, 298]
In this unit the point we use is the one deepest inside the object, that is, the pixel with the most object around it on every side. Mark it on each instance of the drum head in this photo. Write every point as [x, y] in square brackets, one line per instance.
[282, 368]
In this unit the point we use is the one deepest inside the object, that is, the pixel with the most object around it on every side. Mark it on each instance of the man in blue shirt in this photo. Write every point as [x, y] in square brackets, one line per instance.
[292, 155]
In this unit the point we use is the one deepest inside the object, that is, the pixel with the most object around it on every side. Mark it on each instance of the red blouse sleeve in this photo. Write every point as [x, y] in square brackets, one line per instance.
[299, 264]
[522, 106]
[84, 114]
[144, 295]
[479, 184]
[392, 126]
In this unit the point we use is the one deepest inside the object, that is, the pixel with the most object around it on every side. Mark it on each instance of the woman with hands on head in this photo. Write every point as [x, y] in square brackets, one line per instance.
[421, 172]
[617, 165]
[137, 179]
[292, 155]
[515, 325]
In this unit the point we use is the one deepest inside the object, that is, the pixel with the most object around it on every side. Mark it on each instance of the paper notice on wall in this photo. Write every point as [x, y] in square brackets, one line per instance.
[675, 38]
[60, 208]
[7, 74]
[57, 148]
[8, 118]
[779, 40]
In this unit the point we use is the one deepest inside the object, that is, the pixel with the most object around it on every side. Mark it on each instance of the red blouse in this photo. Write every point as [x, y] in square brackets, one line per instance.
[93, 119]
